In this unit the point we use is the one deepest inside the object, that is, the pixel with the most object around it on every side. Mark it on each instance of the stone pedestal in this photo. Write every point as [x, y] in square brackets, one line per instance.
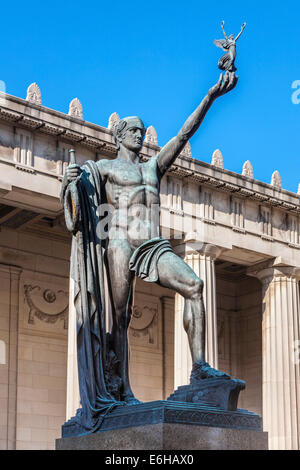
[167, 425]
[165, 436]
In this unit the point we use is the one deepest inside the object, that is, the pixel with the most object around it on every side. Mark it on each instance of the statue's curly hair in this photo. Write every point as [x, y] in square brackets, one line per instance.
[119, 129]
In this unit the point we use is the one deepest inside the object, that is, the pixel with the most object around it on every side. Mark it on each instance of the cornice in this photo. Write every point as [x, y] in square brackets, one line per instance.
[244, 193]
[80, 132]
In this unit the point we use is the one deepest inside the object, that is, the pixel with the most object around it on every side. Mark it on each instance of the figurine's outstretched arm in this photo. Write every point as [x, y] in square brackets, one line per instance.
[242, 29]
[172, 149]
[222, 26]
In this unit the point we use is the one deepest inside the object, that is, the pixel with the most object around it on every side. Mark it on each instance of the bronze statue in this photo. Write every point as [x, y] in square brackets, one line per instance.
[228, 44]
[133, 247]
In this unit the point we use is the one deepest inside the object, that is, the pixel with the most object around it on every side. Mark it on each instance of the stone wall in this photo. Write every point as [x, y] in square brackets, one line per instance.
[9, 300]
[33, 326]
[34, 342]
[249, 306]
[240, 336]
[41, 398]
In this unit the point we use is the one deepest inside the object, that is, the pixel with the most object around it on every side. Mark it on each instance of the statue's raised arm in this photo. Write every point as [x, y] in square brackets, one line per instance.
[242, 29]
[172, 149]
[223, 29]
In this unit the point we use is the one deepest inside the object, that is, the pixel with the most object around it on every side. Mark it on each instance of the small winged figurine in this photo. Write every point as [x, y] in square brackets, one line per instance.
[228, 44]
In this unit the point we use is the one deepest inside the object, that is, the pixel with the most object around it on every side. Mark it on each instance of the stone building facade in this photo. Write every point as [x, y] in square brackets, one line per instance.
[240, 235]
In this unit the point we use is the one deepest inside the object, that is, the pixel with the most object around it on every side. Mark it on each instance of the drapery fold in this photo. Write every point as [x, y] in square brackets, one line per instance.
[143, 261]
[98, 381]
[100, 385]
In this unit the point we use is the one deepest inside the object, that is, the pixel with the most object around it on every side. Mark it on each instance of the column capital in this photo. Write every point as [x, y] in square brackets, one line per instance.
[8, 270]
[273, 269]
[192, 245]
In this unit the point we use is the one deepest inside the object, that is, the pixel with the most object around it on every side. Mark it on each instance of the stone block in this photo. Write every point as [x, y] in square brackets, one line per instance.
[25, 352]
[56, 370]
[33, 367]
[33, 394]
[23, 434]
[167, 436]
[54, 422]
[52, 435]
[3, 444]
[4, 323]
[3, 418]
[38, 445]
[33, 421]
[24, 407]
[39, 435]
[50, 383]
[50, 409]
[25, 380]
[57, 396]
[3, 391]
[3, 431]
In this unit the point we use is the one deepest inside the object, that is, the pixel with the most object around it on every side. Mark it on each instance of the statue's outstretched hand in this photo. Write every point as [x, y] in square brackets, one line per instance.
[226, 83]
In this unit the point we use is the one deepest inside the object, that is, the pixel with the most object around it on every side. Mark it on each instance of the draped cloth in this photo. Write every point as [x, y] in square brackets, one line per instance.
[98, 383]
[143, 261]
[226, 62]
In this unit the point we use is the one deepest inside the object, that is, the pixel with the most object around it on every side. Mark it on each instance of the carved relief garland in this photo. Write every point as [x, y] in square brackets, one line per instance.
[34, 311]
[143, 322]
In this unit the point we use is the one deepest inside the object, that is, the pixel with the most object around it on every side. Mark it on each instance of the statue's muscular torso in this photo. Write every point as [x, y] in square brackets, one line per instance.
[133, 191]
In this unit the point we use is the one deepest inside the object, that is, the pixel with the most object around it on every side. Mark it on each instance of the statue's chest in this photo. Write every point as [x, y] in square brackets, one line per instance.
[124, 176]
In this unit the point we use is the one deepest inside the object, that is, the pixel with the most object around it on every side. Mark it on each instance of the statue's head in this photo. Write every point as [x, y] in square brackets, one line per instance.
[130, 132]
[231, 36]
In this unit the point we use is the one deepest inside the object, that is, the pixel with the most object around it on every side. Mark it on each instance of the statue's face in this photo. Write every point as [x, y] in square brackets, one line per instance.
[133, 139]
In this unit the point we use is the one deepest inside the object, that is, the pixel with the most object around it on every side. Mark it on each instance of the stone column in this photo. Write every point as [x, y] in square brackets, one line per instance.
[15, 273]
[168, 345]
[9, 321]
[73, 397]
[201, 257]
[281, 358]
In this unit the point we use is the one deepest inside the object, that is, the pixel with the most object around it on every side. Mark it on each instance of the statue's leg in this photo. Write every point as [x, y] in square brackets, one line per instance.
[118, 254]
[175, 274]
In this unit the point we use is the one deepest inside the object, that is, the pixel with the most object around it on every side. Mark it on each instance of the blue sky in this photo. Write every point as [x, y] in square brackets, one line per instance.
[157, 59]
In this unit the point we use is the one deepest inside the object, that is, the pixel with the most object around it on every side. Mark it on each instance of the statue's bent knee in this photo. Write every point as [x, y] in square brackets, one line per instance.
[196, 289]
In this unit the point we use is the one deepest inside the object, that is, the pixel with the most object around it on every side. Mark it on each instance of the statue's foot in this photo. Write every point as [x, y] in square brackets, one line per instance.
[130, 399]
[202, 370]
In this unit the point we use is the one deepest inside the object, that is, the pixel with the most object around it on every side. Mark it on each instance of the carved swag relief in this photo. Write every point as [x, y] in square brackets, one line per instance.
[42, 304]
[144, 322]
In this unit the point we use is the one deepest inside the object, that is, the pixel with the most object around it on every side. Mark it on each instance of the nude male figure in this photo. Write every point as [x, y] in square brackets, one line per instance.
[129, 183]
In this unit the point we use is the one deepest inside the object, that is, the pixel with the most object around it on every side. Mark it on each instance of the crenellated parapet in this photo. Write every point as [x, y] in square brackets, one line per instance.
[247, 169]
[217, 159]
[276, 180]
[75, 109]
[151, 136]
[113, 119]
[34, 94]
